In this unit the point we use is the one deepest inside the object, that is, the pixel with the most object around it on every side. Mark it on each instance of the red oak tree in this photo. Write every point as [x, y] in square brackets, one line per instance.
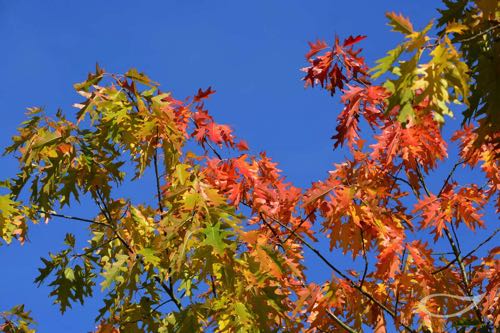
[223, 243]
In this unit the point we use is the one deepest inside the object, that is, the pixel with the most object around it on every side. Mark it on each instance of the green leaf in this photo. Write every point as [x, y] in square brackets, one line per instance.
[7, 205]
[92, 79]
[453, 10]
[242, 312]
[45, 271]
[384, 64]
[149, 256]
[158, 99]
[191, 200]
[19, 320]
[112, 271]
[140, 77]
[12, 220]
[406, 112]
[215, 238]
[46, 139]
[182, 173]
[149, 92]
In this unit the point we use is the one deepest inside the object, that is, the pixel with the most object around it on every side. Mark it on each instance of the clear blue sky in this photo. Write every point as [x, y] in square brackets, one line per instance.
[249, 51]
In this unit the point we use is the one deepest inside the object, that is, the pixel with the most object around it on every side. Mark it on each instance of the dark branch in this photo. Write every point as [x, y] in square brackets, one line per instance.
[454, 246]
[105, 211]
[75, 218]
[448, 265]
[364, 258]
[169, 292]
[449, 177]
[402, 269]
[300, 225]
[157, 177]
[341, 274]
[468, 39]
[340, 322]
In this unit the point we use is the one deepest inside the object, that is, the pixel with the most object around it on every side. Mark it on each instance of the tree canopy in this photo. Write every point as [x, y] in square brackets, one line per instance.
[222, 241]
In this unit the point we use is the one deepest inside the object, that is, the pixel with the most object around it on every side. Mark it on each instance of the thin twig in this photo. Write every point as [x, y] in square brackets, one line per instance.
[161, 304]
[455, 247]
[75, 218]
[402, 180]
[395, 176]
[213, 149]
[468, 254]
[449, 176]
[455, 237]
[155, 162]
[402, 269]
[105, 211]
[300, 225]
[340, 322]
[468, 39]
[207, 142]
[214, 290]
[421, 179]
[169, 292]
[275, 233]
[364, 258]
[92, 249]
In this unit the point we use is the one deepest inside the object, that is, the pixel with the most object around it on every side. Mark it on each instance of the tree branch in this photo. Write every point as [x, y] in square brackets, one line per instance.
[468, 39]
[212, 282]
[274, 232]
[76, 218]
[300, 225]
[207, 142]
[364, 258]
[402, 268]
[169, 292]
[449, 176]
[468, 254]
[341, 274]
[454, 246]
[157, 177]
[340, 322]
[92, 249]
[105, 211]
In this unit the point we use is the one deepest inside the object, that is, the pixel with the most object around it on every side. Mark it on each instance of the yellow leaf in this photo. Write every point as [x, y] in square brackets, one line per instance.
[456, 28]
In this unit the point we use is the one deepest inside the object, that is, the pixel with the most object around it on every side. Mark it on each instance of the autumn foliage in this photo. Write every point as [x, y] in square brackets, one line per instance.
[223, 241]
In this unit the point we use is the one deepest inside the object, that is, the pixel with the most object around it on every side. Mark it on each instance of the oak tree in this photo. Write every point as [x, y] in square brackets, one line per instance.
[221, 241]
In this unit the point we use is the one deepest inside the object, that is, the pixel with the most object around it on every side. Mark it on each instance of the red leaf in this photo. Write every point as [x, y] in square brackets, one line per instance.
[315, 48]
[353, 40]
[214, 133]
[203, 94]
[348, 119]
[242, 145]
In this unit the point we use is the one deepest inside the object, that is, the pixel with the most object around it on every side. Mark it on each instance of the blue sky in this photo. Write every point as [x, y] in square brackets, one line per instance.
[249, 51]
